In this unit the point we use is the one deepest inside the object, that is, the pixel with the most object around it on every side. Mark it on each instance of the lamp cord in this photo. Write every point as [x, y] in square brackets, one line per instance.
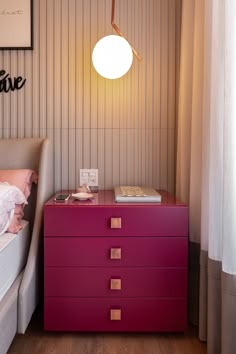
[116, 28]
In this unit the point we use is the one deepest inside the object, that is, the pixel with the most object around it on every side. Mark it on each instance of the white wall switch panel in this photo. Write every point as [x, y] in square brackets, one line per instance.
[89, 177]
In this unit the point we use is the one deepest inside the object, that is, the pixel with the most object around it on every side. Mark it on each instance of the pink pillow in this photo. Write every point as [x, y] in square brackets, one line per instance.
[22, 179]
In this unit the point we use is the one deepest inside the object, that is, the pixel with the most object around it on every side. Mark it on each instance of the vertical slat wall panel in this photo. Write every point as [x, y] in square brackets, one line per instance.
[43, 67]
[50, 77]
[7, 98]
[171, 93]
[65, 91]
[127, 127]
[28, 103]
[1, 101]
[20, 95]
[57, 93]
[13, 100]
[34, 85]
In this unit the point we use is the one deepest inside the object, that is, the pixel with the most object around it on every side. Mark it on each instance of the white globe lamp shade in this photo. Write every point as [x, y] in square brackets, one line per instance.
[112, 57]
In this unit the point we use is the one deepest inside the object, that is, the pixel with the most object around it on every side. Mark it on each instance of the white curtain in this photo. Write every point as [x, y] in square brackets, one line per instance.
[206, 160]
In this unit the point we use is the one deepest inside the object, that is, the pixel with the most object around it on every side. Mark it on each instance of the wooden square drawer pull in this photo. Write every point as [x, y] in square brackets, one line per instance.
[115, 284]
[115, 253]
[115, 314]
[115, 223]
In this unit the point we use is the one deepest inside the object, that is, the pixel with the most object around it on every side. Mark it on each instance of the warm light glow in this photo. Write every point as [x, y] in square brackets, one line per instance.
[112, 56]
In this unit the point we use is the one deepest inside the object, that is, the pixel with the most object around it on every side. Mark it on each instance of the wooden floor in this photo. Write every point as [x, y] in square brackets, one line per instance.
[36, 341]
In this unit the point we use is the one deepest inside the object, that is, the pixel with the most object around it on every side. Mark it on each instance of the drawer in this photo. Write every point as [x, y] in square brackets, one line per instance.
[139, 220]
[122, 282]
[115, 315]
[96, 251]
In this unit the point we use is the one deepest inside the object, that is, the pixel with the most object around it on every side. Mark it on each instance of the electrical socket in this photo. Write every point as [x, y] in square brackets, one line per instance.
[89, 177]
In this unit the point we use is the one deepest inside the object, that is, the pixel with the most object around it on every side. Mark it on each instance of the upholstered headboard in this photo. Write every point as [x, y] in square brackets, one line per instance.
[35, 154]
[21, 153]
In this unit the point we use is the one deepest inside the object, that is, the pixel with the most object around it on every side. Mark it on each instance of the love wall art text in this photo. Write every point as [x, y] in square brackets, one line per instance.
[7, 83]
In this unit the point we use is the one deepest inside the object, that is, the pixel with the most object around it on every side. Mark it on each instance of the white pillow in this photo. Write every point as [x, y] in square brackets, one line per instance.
[9, 197]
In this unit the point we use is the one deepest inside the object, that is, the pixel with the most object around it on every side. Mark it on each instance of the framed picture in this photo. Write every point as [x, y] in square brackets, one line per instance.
[16, 24]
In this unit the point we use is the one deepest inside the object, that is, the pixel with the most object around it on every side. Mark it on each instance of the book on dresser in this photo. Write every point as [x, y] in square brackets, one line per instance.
[136, 194]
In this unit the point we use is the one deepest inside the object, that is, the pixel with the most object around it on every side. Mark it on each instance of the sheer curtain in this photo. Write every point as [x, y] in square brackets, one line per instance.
[206, 164]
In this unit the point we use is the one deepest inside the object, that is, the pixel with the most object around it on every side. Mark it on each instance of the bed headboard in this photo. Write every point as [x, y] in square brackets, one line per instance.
[20, 153]
[36, 155]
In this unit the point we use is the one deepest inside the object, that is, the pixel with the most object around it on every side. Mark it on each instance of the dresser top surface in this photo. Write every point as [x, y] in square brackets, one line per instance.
[107, 198]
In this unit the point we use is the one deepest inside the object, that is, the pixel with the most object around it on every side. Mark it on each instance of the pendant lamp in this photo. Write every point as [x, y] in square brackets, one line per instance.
[112, 56]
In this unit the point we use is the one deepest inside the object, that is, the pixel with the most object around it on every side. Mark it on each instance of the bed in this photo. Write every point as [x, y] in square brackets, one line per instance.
[19, 302]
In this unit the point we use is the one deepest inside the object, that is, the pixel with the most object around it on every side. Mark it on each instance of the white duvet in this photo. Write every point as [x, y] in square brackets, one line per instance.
[9, 197]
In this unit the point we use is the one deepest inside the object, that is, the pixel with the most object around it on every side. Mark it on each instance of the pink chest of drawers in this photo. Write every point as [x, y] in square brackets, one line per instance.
[115, 267]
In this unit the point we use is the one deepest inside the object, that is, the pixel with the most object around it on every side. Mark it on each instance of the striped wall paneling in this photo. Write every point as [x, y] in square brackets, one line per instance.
[127, 127]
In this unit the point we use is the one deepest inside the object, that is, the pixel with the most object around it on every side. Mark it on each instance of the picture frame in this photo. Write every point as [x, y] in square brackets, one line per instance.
[16, 24]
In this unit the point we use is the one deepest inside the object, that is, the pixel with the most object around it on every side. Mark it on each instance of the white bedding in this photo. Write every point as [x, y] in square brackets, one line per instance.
[13, 255]
[9, 197]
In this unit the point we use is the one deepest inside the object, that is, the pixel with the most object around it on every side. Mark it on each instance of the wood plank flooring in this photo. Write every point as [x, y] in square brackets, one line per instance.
[36, 341]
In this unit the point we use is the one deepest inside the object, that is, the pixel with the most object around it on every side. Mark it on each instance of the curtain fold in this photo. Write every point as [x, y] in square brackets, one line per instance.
[206, 166]
[203, 295]
[214, 307]
[228, 297]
